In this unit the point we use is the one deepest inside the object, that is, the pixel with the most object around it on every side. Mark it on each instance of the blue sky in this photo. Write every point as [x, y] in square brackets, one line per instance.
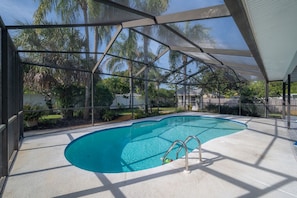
[13, 10]
[223, 31]
[184, 5]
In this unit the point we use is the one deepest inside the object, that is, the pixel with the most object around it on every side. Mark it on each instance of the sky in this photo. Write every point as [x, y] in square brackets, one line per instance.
[23, 10]
[184, 5]
[13, 10]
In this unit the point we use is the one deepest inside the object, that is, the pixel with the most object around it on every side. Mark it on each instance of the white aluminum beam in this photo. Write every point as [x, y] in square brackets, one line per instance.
[202, 13]
[119, 29]
[138, 23]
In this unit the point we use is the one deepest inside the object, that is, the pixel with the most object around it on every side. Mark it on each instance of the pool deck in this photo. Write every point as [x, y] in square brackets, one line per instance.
[259, 161]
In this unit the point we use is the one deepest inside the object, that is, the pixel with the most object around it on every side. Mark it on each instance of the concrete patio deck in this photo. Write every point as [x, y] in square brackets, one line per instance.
[259, 161]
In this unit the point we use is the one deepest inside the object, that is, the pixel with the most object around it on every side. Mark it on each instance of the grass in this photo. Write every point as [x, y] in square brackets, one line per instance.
[275, 115]
[165, 110]
[161, 109]
[50, 119]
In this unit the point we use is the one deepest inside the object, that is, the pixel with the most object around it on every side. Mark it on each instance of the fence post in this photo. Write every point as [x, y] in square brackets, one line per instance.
[4, 103]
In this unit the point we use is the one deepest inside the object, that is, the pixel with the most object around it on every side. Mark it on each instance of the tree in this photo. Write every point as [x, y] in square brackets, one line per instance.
[275, 88]
[197, 33]
[69, 11]
[154, 7]
[116, 85]
[161, 97]
[128, 41]
[103, 98]
[219, 81]
[167, 97]
[247, 95]
[259, 88]
[68, 97]
[43, 79]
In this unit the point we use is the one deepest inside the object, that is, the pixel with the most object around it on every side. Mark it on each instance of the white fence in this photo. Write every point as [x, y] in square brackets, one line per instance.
[123, 101]
[274, 104]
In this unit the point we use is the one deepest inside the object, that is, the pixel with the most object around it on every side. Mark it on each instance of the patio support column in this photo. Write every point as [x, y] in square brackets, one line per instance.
[219, 94]
[176, 98]
[131, 92]
[189, 98]
[239, 101]
[185, 85]
[184, 97]
[146, 87]
[284, 101]
[4, 103]
[289, 102]
[201, 99]
[92, 97]
[266, 98]
[158, 97]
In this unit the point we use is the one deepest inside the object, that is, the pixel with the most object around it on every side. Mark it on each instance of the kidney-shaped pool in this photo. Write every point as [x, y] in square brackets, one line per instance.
[143, 144]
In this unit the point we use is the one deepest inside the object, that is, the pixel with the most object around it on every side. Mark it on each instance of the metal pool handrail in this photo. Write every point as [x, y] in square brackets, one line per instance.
[199, 145]
[186, 151]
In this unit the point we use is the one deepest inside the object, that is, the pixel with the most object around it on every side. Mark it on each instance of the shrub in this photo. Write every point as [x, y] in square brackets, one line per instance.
[33, 112]
[180, 109]
[139, 114]
[109, 115]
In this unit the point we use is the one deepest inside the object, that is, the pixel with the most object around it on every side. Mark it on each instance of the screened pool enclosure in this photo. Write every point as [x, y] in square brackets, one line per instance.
[137, 48]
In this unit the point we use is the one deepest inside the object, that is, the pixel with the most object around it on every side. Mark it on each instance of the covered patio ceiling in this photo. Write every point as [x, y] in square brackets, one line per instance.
[252, 39]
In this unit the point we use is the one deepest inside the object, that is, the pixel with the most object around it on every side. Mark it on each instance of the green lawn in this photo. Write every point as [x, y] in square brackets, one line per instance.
[50, 119]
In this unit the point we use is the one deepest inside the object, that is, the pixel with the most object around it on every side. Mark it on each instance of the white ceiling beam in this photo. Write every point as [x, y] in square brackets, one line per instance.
[186, 49]
[197, 14]
[202, 13]
[245, 53]
[138, 23]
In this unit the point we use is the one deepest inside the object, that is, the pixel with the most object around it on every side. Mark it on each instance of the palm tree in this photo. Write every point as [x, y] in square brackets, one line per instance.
[196, 32]
[154, 7]
[69, 11]
[49, 40]
[131, 52]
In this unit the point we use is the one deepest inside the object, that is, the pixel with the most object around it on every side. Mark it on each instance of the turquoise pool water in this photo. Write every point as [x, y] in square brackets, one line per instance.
[143, 144]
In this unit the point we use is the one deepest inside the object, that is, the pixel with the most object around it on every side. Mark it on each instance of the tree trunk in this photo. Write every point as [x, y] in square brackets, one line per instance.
[84, 7]
[96, 42]
[87, 96]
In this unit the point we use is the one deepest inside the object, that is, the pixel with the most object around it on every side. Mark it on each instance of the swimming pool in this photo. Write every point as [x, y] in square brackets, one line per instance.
[143, 144]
